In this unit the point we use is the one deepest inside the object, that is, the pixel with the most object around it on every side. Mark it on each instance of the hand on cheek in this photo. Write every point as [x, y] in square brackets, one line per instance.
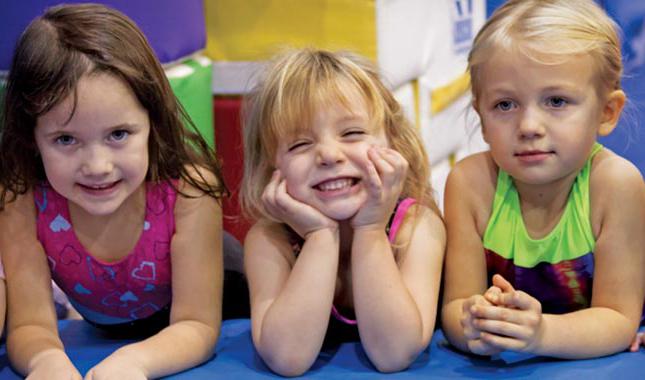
[385, 171]
[301, 217]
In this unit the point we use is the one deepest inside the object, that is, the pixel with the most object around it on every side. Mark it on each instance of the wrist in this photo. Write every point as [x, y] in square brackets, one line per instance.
[50, 354]
[375, 229]
[322, 232]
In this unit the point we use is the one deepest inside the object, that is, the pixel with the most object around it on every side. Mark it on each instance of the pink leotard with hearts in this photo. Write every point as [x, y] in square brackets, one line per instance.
[132, 288]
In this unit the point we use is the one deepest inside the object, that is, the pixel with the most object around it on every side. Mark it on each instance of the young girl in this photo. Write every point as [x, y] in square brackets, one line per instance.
[547, 215]
[347, 227]
[104, 188]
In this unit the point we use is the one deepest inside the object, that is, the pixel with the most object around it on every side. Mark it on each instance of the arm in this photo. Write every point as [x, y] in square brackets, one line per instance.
[290, 301]
[468, 198]
[33, 343]
[609, 325]
[396, 305]
[195, 317]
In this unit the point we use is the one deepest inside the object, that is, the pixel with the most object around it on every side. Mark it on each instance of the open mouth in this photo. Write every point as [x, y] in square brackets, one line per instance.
[336, 184]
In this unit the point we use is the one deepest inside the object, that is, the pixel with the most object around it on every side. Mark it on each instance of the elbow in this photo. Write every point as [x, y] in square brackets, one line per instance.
[396, 359]
[288, 362]
[394, 363]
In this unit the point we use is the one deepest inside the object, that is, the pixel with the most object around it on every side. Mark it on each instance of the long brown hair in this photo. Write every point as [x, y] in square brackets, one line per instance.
[53, 53]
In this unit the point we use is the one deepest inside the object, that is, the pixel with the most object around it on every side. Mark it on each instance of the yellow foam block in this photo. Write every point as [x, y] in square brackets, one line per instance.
[252, 30]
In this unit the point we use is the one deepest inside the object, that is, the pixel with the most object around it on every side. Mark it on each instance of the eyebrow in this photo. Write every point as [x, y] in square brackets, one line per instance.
[350, 117]
[64, 131]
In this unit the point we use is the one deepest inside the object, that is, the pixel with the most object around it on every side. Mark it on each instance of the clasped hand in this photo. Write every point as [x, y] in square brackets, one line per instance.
[502, 319]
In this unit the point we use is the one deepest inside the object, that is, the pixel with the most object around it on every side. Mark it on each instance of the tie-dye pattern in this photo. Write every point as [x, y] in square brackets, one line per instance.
[557, 269]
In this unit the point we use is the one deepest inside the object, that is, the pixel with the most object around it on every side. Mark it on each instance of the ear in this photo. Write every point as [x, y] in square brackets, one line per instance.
[611, 111]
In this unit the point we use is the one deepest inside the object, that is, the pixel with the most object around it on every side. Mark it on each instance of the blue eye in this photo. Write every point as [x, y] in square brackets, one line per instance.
[505, 105]
[65, 140]
[119, 135]
[557, 102]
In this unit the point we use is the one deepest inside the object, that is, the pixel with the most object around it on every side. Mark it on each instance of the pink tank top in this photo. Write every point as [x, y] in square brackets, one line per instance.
[132, 288]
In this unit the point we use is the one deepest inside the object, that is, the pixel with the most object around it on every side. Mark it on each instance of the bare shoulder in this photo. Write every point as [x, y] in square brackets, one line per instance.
[201, 175]
[422, 222]
[475, 174]
[470, 188]
[190, 198]
[611, 172]
[266, 237]
[616, 187]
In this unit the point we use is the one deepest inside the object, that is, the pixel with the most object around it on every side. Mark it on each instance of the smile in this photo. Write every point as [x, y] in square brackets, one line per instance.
[100, 187]
[336, 184]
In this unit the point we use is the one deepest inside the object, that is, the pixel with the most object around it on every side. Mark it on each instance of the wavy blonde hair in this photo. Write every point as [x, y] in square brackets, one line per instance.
[292, 88]
[551, 32]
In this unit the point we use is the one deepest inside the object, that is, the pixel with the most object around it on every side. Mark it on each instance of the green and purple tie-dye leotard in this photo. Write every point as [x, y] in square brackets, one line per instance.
[557, 269]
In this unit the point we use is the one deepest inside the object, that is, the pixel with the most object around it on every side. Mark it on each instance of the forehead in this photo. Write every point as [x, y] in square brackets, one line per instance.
[516, 69]
[98, 99]
[339, 102]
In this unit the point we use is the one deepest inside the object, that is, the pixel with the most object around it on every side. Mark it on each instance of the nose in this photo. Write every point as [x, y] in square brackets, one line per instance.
[531, 124]
[329, 153]
[97, 161]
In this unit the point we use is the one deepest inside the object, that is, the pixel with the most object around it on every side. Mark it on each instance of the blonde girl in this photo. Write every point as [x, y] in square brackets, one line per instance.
[348, 239]
[546, 250]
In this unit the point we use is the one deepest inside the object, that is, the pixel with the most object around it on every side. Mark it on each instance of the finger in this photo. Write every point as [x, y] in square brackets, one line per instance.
[521, 300]
[395, 159]
[502, 328]
[282, 197]
[634, 346]
[502, 283]
[497, 313]
[268, 195]
[479, 347]
[374, 183]
[637, 342]
[502, 343]
[493, 295]
[380, 160]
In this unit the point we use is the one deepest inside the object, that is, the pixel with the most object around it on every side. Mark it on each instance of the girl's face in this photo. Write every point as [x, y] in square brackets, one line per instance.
[324, 165]
[540, 120]
[99, 157]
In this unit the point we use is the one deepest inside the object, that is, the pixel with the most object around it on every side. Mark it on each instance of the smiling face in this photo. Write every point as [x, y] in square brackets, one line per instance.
[540, 120]
[324, 163]
[99, 157]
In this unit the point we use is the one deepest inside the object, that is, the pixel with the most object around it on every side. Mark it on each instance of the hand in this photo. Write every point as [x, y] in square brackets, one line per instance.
[52, 364]
[638, 340]
[386, 171]
[301, 217]
[471, 332]
[513, 322]
[117, 367]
